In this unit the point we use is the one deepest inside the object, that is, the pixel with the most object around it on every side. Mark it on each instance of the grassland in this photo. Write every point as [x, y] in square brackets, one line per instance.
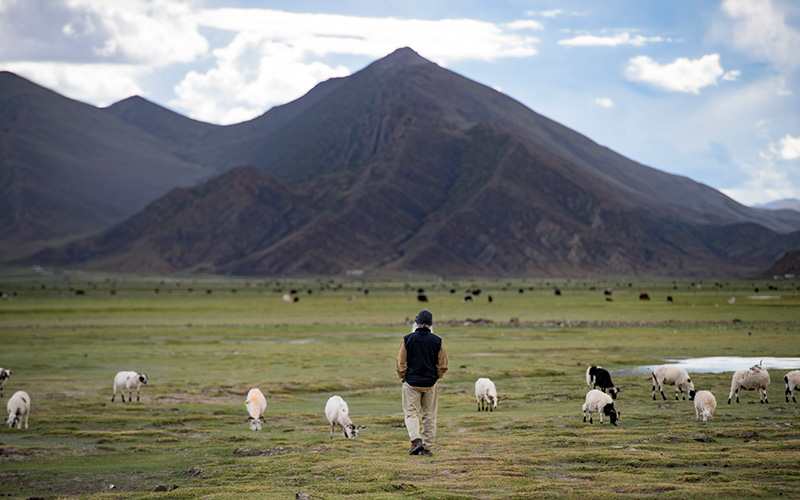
[205, 342]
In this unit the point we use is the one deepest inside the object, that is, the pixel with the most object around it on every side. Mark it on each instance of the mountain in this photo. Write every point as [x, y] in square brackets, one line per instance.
[69, 169]
[786, 204]
[405, 166]
[787, 265]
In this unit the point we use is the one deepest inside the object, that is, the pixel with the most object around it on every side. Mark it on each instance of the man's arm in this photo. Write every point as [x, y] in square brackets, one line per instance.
[402, 360]
[441, 364]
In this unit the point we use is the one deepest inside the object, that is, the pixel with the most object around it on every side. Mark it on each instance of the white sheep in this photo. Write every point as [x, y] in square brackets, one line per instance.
[338, 413]
[4, 374]
[486, 394]
[18, 406]
[255, 403]
[750, 379]
[792, 380]
[704, 404]
[128, 380]
[672, 375]
[599, 402]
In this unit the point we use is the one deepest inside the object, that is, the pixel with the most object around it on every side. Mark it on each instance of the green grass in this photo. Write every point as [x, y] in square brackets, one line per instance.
[188, 438]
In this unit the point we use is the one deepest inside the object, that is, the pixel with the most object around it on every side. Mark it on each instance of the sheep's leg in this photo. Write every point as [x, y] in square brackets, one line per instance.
[584, 416]
[697, 415]
[26, 419]
[122, 394]
[654, 392]
[137, 394]
[661, 389]
[333, 427]
[787, 392]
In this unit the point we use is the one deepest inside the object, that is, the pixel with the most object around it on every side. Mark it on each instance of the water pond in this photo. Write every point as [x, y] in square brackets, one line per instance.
[720, 364]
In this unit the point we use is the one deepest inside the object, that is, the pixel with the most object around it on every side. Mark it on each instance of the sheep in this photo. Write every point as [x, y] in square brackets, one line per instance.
[792, 380]
[18, 406]
[338, 413]
[485, 394]
[4, 374]
[256, 403]
[672, 375]
[600, 402]
[128, 380]
[704, 404]
[597, 376]
[750, 379]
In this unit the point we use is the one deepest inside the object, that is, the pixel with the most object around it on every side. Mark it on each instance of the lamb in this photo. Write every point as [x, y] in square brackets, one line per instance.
[338, 413]
[127, 380]
[597, 376]
[750, 379]
[18, 406]
[486, 394]
[600, 402]
[256, 403]
[4, 374]
[704, 404]
[672, 375]
[792, 380]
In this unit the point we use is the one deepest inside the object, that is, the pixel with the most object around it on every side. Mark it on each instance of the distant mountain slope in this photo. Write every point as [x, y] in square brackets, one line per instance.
[787, 204]
[69, 169]
[405, 166]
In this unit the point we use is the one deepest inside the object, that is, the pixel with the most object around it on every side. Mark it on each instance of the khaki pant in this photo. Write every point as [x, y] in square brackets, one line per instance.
[425, 399]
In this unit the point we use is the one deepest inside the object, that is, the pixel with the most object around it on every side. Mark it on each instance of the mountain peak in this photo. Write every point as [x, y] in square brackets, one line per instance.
[403, 56]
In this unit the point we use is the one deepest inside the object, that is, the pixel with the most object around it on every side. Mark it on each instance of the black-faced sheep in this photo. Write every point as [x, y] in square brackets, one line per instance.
[672, 375]
[128, 380]
[704, 404]
[750, 379]
[599, 402]
[4, 374]
[597, 376]
[19, 407]
[255, 403]
[485, 394]
[338, 413]
[792, 380]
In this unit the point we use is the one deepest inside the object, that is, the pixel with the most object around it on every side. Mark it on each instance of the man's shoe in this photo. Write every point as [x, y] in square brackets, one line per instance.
[426, 453]
[416, 447]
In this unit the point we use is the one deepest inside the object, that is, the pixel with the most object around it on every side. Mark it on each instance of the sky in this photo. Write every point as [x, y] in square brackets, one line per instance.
[708, 90]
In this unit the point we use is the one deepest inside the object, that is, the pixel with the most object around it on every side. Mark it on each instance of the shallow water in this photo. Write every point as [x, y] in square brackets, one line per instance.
[719, 364]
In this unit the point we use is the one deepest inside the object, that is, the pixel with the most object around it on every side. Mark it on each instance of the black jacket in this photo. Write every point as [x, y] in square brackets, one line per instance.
[426, 360]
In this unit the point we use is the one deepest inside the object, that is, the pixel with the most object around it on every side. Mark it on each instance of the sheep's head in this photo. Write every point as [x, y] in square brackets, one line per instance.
[13, 419]
[4, 374]
[255, 423]
[614, 391]
[350, 431]
[612, 413]
[143, 378]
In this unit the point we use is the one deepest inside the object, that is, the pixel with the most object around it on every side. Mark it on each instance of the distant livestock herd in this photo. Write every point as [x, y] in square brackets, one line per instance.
[598, 379]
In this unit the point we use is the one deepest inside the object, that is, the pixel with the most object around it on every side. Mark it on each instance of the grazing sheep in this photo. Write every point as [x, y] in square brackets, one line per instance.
[485, 394]
[127, 380]
[422, 298]
[338, 413]
[792, 380]
[599, 402]
[597, 376]
[644, 296]
[750, 379]
[18, 406]
[704, 404]
[255, 403]
[672, 375]
[4, 374]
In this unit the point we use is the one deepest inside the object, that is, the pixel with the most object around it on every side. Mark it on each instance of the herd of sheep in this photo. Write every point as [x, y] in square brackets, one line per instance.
[755, 378]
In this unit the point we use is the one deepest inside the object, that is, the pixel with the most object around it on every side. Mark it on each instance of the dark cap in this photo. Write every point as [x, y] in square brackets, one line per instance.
[424, 318]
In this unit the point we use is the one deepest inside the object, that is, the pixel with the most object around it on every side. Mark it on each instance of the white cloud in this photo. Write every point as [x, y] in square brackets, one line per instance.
[765, 182]
[787, 148]
[732, 76]
[267, 62]
[98, 84]
[624, 38]
[682, 75]
[759, 28]
[604, 102]
[525, 24]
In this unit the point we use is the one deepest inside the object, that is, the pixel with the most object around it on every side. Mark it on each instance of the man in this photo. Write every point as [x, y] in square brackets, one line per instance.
[421, 362]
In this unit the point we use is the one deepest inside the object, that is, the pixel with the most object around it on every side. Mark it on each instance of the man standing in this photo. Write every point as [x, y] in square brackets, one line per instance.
[421, 362]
